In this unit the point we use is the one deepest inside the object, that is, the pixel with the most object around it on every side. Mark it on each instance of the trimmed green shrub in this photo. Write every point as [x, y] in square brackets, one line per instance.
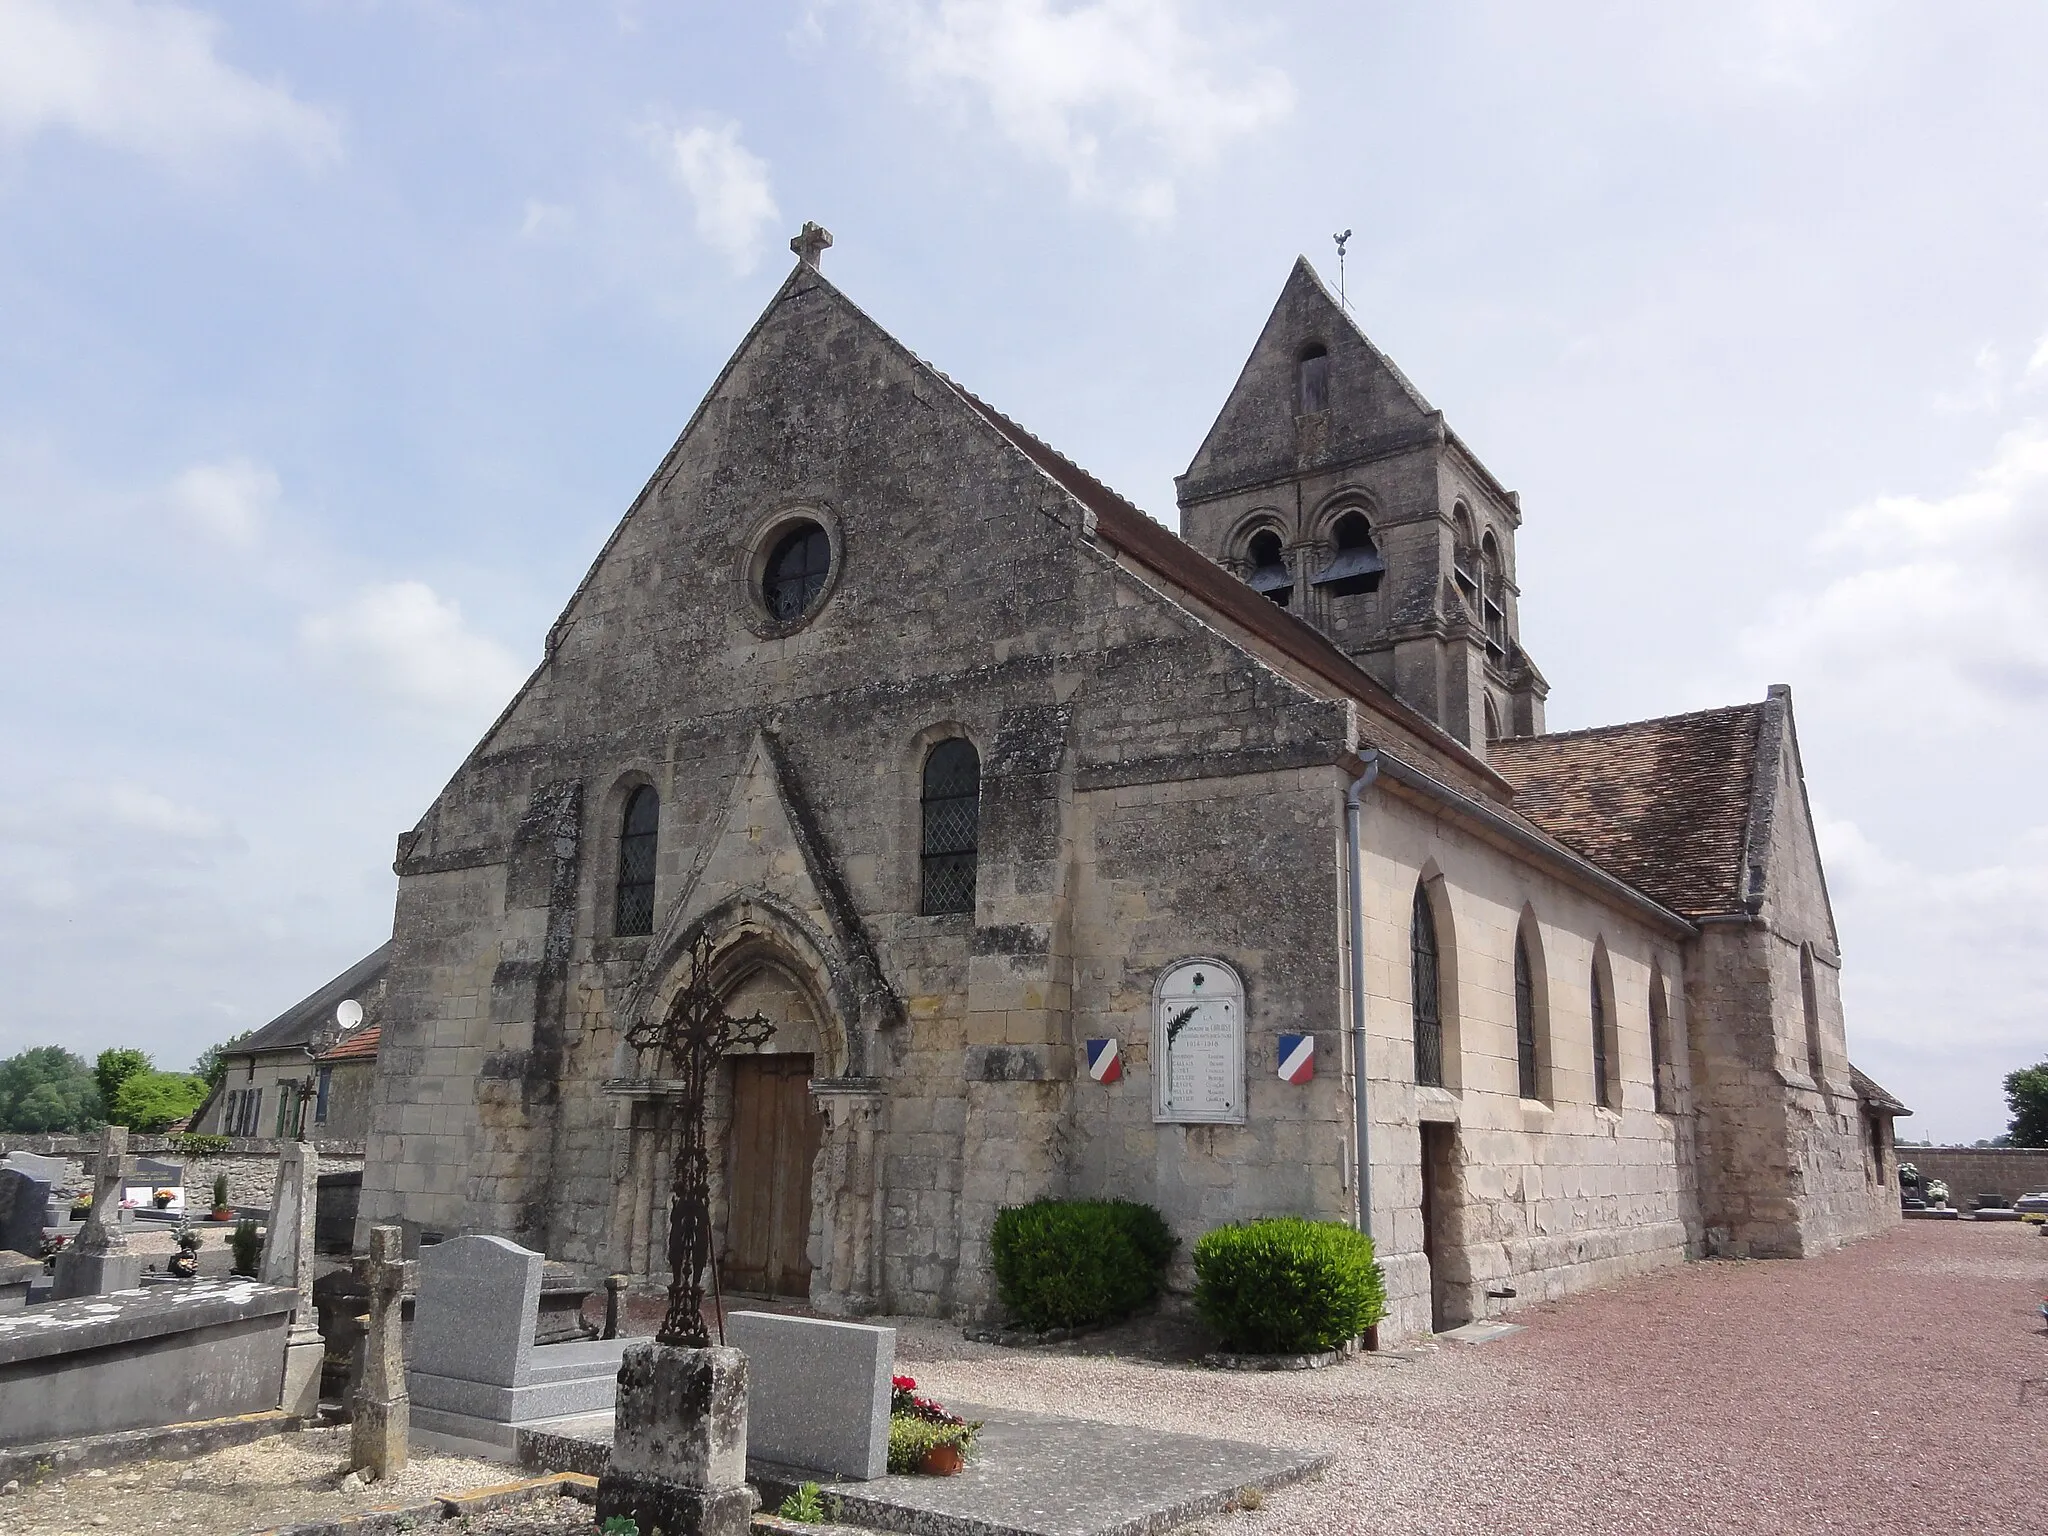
[1288, 1286]
[1067, 1263]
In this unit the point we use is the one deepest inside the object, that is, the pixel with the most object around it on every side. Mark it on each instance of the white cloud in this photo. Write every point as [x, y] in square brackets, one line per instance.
[1939, 600]
[229, 501]
[1123, 96]
[727, 185]
[2038, 363]
[1943, 979]
[403, 641]
[145, 79]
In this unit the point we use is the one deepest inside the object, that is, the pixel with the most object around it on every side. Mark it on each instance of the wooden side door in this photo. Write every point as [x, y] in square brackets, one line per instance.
[771, 1146]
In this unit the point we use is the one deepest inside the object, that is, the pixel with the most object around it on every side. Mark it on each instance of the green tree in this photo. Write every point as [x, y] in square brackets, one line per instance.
[212, 1063]
[114, 1068]
[48, 1089]
[2026, 1095]
[149, 1101]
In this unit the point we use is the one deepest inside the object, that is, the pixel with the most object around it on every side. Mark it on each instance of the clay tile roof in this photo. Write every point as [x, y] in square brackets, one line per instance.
[1664, 804]
[360, 1046]
[1870, 1093]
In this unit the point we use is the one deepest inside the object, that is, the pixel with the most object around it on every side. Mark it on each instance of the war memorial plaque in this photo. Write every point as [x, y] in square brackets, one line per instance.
[1198, 1044]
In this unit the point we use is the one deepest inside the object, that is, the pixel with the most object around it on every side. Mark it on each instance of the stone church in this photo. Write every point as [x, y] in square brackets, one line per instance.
[1069, 857]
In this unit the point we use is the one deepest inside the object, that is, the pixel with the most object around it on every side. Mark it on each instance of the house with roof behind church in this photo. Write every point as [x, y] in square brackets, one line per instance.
[1232, 871]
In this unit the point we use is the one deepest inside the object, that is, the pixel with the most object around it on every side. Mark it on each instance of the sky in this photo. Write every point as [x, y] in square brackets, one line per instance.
[335, 336]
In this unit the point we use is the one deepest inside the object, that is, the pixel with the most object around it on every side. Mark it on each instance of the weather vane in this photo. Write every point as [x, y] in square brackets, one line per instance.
[1340, 239]
[693, 1034]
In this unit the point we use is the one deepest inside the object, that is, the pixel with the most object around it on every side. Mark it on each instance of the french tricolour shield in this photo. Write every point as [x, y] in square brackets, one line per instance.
[1105, 1063]
[1297, 1058]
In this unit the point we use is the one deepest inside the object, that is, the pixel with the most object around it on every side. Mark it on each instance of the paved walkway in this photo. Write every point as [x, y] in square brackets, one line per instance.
[1888, 1387]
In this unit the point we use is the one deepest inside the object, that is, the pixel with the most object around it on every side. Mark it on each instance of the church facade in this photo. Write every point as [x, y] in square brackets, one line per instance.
[1070, 857]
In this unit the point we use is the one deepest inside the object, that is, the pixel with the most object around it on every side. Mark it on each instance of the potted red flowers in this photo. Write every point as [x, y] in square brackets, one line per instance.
[923, 1435]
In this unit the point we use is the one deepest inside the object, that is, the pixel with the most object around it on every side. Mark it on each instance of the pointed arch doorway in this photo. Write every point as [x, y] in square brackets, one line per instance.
[772, 1133]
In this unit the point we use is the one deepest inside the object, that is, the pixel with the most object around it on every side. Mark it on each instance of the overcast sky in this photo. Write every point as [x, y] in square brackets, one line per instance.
[335, 336]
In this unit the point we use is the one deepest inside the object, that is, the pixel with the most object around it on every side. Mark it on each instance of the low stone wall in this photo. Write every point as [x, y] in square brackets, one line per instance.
[1973, 1171]
[168, 1354]
[250, 1163]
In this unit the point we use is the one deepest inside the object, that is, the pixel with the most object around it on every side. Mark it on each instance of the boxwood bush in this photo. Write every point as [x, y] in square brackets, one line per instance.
[1067, 1263]
[1288, 1286]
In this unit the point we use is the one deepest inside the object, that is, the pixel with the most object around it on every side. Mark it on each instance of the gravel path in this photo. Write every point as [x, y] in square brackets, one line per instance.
[247, 1487]
[1875, 1389]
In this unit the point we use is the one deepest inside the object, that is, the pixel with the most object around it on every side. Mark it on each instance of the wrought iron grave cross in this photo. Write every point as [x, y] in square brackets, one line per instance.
[693, 1034]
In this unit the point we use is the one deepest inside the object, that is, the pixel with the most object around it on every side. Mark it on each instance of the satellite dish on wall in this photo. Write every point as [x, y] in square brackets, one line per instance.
[349, 1014]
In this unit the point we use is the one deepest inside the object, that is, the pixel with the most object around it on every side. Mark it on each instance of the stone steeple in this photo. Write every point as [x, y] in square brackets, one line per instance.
[1331, 485]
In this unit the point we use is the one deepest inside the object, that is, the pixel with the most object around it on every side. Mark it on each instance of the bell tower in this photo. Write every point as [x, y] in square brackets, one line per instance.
[1336, 491]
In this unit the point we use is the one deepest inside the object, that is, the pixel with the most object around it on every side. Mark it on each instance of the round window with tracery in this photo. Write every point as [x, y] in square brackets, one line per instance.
[797, 569]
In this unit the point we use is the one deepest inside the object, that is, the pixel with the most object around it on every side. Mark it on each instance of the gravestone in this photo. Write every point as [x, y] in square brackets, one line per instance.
[98, 1260]
[18, 1276]
[818, 1392]
[288, 1263]
[54, 1170]
[477, 1374]
[24, 1203]
[380, 1431]
[478, 1300]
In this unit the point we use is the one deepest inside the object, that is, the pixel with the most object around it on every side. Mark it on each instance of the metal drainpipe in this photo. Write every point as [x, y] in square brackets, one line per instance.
[1359, 1111]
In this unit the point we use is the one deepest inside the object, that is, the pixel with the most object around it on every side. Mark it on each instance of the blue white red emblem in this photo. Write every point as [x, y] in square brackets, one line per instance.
[1105, 1065]
[1297, 1058]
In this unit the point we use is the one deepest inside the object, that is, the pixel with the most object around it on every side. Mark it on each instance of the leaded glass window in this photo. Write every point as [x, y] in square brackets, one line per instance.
[1525, 1021]
[1603, 1087]
[1429, 1024]
[951, 841]
[639, 831]
[796, 571]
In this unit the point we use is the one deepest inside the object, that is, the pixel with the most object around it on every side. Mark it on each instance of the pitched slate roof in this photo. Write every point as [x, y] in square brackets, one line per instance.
[1664, 804]
[298, 1024]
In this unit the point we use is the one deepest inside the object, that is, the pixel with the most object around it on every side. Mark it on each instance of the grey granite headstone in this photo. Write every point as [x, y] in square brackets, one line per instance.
[474, 1320]
[55, 1169]
[24, 1202]
[818, 1392]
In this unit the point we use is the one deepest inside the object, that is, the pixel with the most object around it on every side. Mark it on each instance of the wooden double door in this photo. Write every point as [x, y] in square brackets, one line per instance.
[770, 1148]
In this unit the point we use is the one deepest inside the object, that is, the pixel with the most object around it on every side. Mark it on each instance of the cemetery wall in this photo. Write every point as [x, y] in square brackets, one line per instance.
[251, 1165]
[1973, 1171]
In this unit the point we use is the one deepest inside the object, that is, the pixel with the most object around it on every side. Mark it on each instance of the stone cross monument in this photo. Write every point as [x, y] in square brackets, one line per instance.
[382, 1422]
[98, 1260]
[679, 1438]
[288, 1262]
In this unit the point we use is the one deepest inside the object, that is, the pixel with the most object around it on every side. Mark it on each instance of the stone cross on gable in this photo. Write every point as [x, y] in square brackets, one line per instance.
[382, 1419]
[693, 1033]
[810, 243]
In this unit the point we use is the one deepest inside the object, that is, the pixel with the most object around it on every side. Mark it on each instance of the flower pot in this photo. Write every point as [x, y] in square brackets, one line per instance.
[942, 1461]
[223, 1213]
